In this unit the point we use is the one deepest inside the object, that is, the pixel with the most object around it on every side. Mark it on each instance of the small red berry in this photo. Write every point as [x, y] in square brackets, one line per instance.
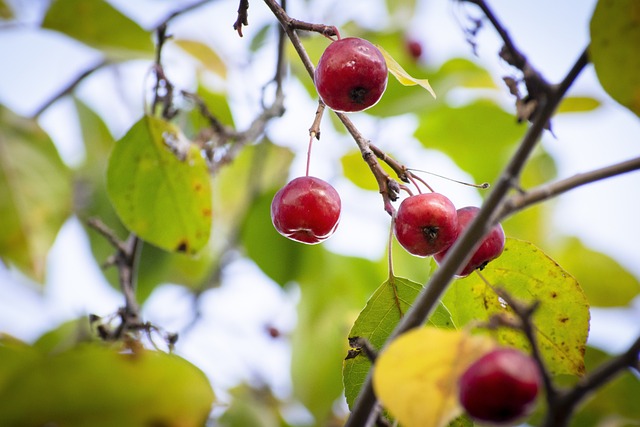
[351, 75]
[426, 224]
[491, 247]
[414, 48]
[500, 387]
[306, 210]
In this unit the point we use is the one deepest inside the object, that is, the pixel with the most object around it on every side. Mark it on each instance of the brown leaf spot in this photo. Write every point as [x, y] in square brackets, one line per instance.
[183, 246]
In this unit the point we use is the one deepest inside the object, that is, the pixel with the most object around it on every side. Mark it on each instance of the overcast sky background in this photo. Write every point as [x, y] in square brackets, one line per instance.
[552, 34]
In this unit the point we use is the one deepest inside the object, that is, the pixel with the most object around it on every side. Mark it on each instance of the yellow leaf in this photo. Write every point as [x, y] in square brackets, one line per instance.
[416, 378]
[205, 55]
[402, 76]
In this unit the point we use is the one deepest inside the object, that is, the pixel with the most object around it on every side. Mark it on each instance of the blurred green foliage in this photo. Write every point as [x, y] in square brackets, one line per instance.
[340, 296]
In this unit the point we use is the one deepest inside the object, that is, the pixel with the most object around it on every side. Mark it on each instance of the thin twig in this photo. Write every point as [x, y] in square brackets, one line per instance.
[181, 11]
[389, 188]
[559, 414]
[70, 87]
[243, 17]
[544, 192]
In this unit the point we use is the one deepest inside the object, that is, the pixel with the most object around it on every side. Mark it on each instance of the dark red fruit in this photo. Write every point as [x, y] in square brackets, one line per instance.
[500, 387]
[426, 224]
[307, 210]
[491, 247]
[414, 48]
[351, 75]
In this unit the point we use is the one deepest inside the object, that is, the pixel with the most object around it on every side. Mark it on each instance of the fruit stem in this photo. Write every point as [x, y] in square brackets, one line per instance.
[413, 178]
[312, 135]
[390, 247]
[469, 184]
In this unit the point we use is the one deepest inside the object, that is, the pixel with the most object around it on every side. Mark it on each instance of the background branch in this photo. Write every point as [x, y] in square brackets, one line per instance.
[544, 192]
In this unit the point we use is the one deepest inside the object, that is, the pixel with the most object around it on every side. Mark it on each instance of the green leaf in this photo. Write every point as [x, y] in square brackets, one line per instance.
[578, 104]
[467, 134]
[278, 257]
[101, 26]
[615, 37]
[205, 55]
[383, 312]
[615, 403]
[260, 38]
[35, 194]
[357, 171]
[402, 76]
[161, 195]
[251, 408]
[333, 290]
[99, 386]
[527, 274]
[605, 282]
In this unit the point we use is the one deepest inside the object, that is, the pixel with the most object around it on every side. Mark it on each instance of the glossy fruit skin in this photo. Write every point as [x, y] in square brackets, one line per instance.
[500, 387]
[351, 75]
[426, 224]
[306, 210]
[491, 247]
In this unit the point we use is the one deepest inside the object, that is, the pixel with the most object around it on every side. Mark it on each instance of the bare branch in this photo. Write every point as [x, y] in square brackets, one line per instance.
[70, 87]
[544, 192]
[243, 16]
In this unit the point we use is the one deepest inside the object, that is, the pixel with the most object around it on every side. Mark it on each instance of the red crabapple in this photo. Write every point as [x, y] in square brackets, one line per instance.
[351, 75]
[491, 247]
[306, 210]
[426, 224]
[500, 387]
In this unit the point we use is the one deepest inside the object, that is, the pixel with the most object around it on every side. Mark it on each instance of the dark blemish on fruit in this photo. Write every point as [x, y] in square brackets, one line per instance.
[554, 294]
[564, 319]
[358, 95]
[183, 246]
[431, 233]
[206, 212]
[197, 186]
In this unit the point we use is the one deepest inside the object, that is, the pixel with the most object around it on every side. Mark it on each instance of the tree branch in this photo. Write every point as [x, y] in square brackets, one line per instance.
[243, 16]
[544, 192]
[563, 407]
[463, 248]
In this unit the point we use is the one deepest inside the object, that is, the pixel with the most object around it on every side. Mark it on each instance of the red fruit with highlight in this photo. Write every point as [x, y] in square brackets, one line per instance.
[351, 75]
[306, 210]
[500, 387]
[426, 224]
[491, 247]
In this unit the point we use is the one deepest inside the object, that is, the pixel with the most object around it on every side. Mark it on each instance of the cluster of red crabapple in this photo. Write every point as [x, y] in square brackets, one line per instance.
[351, 76]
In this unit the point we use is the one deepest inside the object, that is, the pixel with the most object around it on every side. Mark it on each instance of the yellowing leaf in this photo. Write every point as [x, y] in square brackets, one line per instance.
[402, 76]
[92, 385]
[527, 274]
[35, 194]
[160, 186]
[416, 377]
[205, 55]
